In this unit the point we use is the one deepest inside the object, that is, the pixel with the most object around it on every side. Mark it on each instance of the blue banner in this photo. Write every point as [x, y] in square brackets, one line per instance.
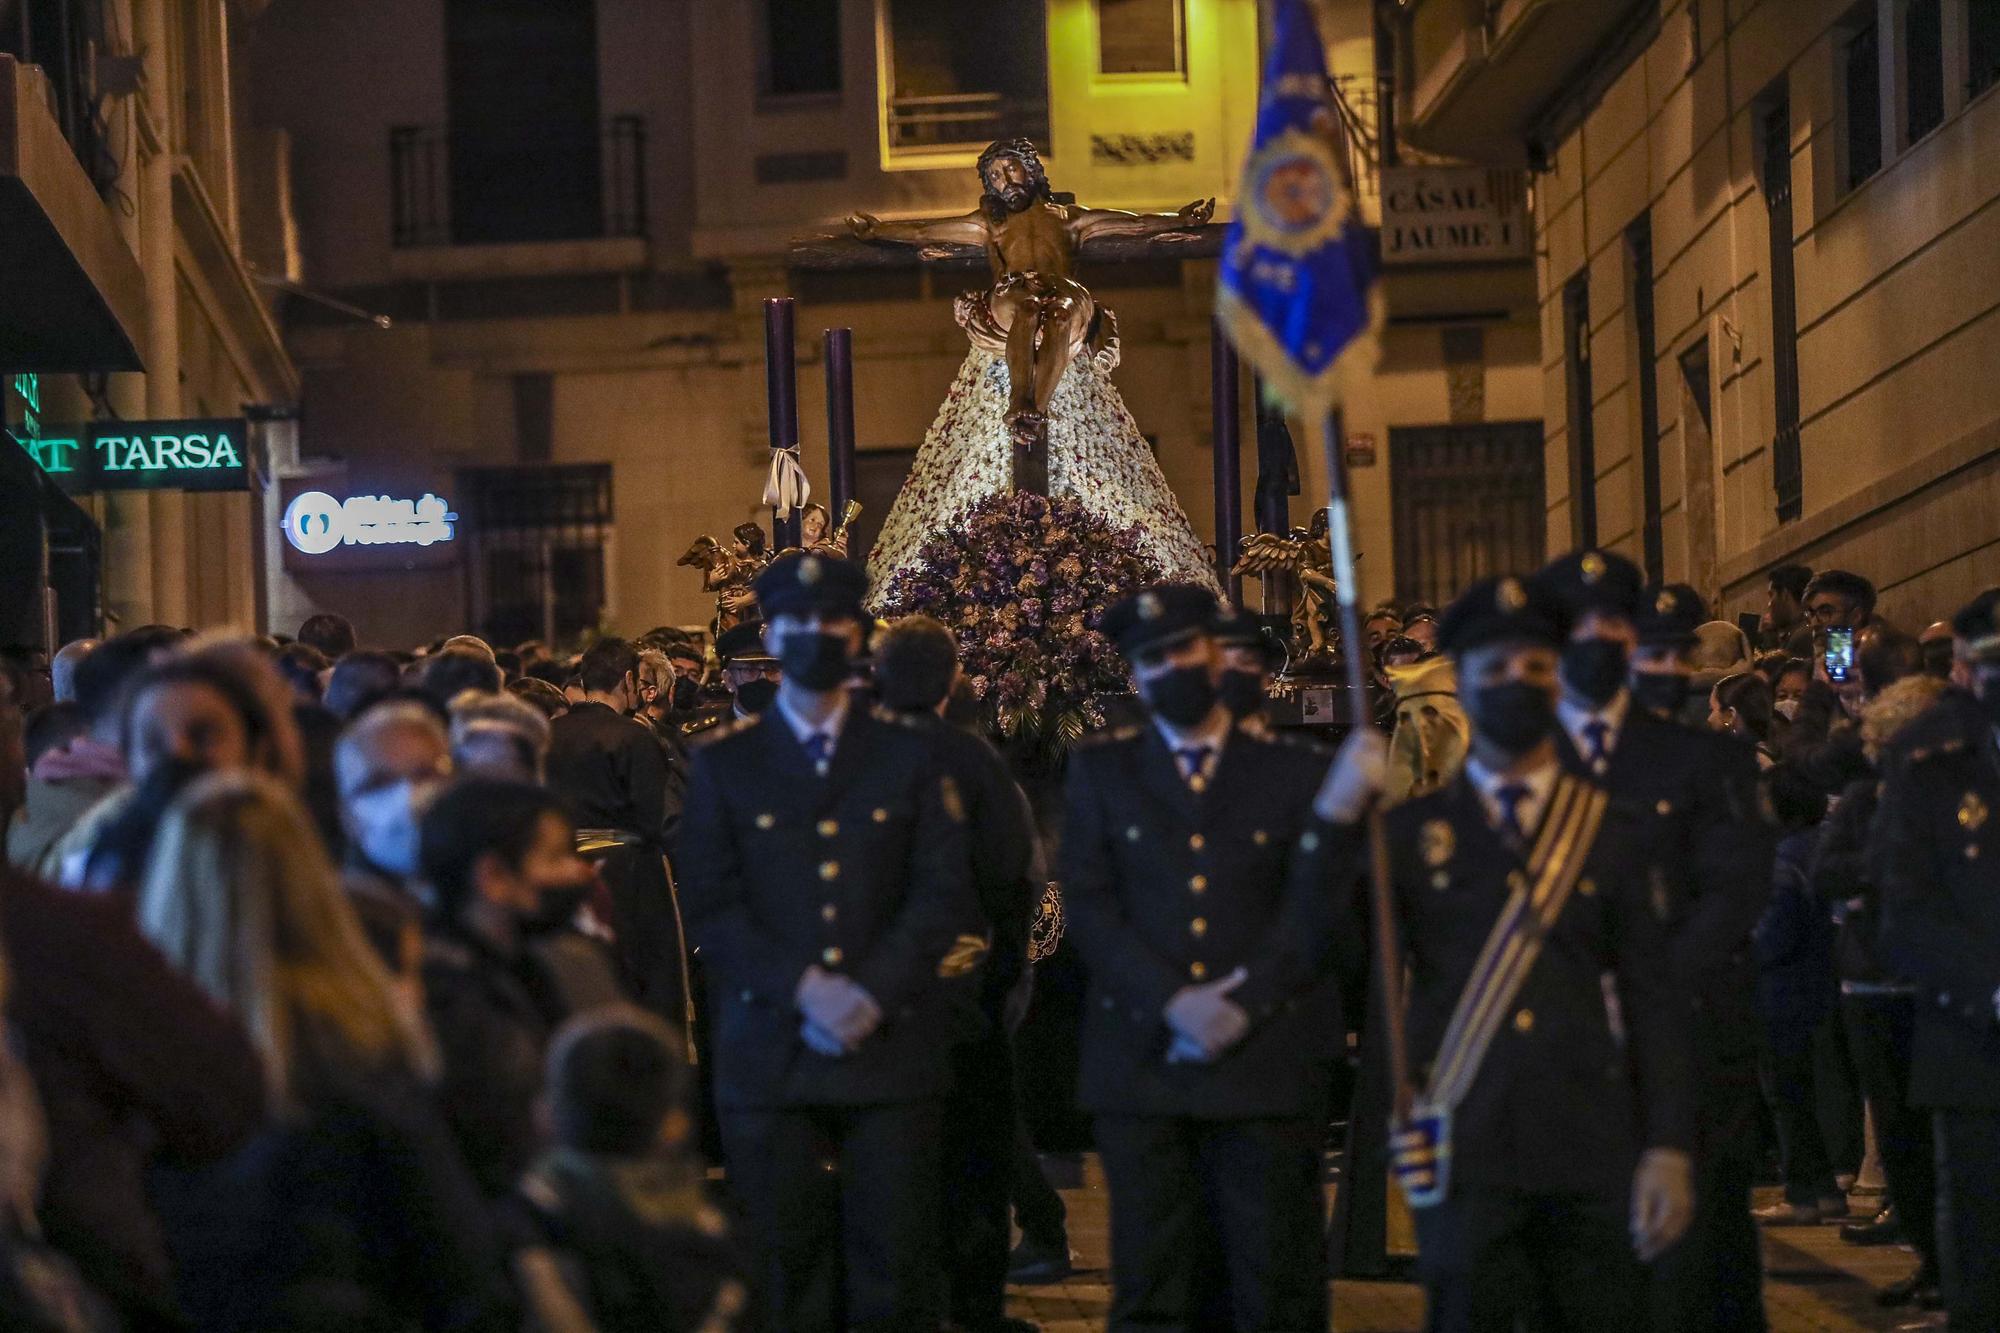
[1297, 286]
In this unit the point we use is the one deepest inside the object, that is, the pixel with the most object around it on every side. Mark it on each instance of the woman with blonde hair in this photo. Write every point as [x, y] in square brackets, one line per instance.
[352, 1209]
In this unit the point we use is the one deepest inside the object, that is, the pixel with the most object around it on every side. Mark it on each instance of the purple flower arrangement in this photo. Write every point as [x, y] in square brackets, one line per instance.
[1023, 581]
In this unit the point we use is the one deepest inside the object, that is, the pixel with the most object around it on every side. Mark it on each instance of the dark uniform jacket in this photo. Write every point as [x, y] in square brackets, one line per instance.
[1937, 861]
[491, 1034]
[1000, 833]
[1708, 829]
[863, 871]
[1166, 887]
[1563, 1102]
[611, 770]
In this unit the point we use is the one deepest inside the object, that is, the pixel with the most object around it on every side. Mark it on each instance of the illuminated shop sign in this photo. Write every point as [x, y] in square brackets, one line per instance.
[203, 455]
[316, 522]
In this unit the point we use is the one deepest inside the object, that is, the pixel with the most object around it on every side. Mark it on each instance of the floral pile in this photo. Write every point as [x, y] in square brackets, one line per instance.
[1023, 581]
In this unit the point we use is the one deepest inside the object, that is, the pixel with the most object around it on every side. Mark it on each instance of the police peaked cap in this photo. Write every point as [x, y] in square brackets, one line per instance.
[743, 642]
[1498, 610]
[801, 584]
[1237, 628]
[1160, 617]
[1590, 580]
[1977, 627]
[1667, 616]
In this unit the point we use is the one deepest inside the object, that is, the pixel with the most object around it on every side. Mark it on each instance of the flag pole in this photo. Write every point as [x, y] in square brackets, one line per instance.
[1388, 949]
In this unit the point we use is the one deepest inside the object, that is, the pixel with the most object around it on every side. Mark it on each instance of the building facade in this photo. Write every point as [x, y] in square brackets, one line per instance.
[144, 225]
[572, 270]
[1769, 307]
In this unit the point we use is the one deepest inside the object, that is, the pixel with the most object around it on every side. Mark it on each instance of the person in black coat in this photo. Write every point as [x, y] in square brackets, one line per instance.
[916, 665]
[1624, 677]
[1200, 902]
[1936, 859]
[827, 886]
[1562, 1144]
[616, 778]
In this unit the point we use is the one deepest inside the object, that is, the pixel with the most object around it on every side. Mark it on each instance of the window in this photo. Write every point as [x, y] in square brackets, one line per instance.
[961, 76]
[1923, 68]
[1861, 78]
[1141, 37]
[1982, 41]
[1468, 502]
[524, 150]
[1776, 172]
[801, 47]
[538, 540]
[1639, 252]
[1582, 433]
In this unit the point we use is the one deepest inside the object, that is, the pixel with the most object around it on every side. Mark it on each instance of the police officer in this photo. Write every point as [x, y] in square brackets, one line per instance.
[826, 885]
[1204, 922]
[1936, 857]
[1554, 1155]
[749, 680]
[1624, 676]
[1249, 656]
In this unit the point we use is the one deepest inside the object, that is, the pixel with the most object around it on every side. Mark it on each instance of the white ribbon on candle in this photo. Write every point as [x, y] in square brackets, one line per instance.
[786, 489]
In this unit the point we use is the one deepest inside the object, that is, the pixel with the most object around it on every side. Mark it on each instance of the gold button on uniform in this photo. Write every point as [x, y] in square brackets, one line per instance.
[829, 870]
[828, 912]
[1132, 833]
[767, 820]
[1198, 784]
[832, 956]
[1199, 884]
[1198, 927]
[880, 816]
[1260, 837]
[828, 828]
[1524, 1020]
[1198, 970]
[1197, 843]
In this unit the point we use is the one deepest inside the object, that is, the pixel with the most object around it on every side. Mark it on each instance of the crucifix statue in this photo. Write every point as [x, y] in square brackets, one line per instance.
[1036, 310]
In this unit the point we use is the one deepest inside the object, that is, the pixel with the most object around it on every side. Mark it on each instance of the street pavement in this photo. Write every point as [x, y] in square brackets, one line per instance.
[1813, 1282]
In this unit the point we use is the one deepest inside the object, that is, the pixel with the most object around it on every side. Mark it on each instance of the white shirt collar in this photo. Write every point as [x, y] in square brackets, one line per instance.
[804, 730]
[1541, 784]
[1211, 735]
[1575, 717]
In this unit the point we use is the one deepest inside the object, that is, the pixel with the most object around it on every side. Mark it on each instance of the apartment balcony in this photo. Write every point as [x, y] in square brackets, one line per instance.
[517, 201]
[74, 296]
[1479, 74]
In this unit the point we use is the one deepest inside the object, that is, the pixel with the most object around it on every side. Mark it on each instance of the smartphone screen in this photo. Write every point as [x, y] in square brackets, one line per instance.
[1839, 655]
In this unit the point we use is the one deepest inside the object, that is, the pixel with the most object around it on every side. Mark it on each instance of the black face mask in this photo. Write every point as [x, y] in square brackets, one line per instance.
[1514, 714]
[686, 690]
[1659, 691]
[754, 696]
[555, 907]
[1594, 668]
[818, 661]
[1242, 692]
[1183, 696]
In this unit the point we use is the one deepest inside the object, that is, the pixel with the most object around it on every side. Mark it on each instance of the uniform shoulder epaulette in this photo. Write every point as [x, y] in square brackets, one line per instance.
[1936, 750]
[706, 722]
[722, 729]
[1115, 736]
[903, 720]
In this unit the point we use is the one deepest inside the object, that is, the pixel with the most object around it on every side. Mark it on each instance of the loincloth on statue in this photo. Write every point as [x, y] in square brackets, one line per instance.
[1099, 327]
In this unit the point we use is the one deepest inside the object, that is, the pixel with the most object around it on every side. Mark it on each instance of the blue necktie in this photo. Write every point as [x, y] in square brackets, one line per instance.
[1194, 760]
[1596, 733]
[1509, 799]
[819, 749]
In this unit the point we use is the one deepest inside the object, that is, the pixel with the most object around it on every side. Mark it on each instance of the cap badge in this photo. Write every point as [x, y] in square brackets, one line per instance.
[1150, 606]
[809, 570]
[1510, 595]
[1666, 603]
[1593, 566]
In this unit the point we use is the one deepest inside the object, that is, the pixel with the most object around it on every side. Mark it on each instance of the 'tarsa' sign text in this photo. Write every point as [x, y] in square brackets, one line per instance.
[204, 455]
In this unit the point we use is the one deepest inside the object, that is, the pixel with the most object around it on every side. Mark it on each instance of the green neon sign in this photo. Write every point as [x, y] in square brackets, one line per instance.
[195, 455]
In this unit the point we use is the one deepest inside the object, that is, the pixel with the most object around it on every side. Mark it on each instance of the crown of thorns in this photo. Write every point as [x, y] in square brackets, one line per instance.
[1021, 148]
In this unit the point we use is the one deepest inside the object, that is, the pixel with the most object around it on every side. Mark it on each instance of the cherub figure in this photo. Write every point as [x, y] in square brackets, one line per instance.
[1305, 555]
[1031, 236]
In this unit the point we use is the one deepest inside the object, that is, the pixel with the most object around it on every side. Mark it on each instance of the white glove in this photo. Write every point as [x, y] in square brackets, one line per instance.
[1662, 1201]
[1205, 1021]
[1359, 774]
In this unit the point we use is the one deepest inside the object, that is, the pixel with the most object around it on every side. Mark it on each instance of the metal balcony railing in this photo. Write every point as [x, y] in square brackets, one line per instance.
[940, 122]
[499, 184]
